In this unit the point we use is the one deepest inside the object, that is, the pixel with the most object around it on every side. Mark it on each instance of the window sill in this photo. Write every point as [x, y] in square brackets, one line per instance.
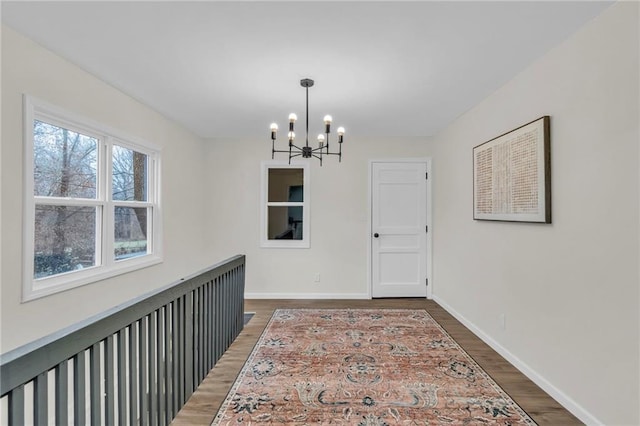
[285, 244]
[47, 286]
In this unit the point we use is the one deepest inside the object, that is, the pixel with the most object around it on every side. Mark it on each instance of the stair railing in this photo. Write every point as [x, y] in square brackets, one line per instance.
[135, 364]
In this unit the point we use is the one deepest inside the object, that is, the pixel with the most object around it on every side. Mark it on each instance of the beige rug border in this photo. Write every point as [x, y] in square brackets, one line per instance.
[223, 407]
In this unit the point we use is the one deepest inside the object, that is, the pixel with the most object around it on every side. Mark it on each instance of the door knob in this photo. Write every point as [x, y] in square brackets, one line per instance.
[376, 235]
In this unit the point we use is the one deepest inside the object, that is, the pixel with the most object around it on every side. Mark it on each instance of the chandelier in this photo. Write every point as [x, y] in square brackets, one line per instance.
[307, 151]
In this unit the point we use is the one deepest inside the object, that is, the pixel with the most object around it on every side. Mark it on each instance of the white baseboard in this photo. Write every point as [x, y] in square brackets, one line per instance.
[306, 296]
[562, 398]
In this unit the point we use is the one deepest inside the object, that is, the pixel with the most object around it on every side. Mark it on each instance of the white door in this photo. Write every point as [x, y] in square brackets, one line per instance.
[399, 229]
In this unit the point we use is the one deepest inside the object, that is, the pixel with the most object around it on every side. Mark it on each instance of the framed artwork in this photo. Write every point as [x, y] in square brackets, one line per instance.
[512, 175]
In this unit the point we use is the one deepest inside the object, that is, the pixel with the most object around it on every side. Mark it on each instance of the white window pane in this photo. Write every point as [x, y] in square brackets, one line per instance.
[286, 185]
[64, 162]
[130, 232]
[65, 239]
[285, 223]
[129, 174]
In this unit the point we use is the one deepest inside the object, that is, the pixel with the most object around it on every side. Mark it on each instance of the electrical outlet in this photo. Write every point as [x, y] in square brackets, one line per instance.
[503, 321]
[317, 277]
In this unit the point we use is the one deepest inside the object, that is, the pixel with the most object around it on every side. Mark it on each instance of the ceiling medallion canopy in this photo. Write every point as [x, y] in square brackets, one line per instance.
[307, 151]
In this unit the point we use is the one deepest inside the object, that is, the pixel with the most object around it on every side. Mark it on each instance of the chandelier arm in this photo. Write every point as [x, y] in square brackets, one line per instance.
[318, 149]
[296, 147]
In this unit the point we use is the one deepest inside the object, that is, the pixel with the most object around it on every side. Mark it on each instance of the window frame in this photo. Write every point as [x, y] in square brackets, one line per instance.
[265, 242]
[106, 265]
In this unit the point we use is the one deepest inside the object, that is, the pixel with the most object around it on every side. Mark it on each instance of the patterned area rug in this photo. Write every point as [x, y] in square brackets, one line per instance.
[363, 367]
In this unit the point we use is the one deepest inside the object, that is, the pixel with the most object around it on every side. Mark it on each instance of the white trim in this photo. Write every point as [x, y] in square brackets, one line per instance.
[300, 296]
[155, 240]
[562, 398]
[108, 217]
[132, 265]
[105, 265]
[92, 127]
[430, 230]
[369, 229]
[429, 211]
[28, 203]
[306, 204]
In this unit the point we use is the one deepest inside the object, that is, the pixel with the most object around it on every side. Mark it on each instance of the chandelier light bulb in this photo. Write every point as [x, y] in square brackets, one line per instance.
[340, 131]
[274, 127]
[327, 119]
[321, 139]
[292, 117]
[292, 136]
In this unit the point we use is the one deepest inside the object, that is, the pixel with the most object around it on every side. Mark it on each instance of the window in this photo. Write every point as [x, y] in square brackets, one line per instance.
[285, 205]
[91, 202]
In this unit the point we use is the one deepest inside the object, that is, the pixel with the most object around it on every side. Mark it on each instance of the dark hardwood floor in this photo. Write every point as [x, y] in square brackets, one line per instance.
[204, 403]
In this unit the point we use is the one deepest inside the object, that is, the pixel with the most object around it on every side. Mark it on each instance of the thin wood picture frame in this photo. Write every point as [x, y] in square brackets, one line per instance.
[512, 175]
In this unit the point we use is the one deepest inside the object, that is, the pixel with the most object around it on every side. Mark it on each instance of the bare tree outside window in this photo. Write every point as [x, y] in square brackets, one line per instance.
[65, 239]
[65, 164]
[129, 183]
[129, 177]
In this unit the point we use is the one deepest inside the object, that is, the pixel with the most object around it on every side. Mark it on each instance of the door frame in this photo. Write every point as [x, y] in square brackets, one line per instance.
[429, 212]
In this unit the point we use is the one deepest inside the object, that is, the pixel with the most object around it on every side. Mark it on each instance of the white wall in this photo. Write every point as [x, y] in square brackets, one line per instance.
[28, 68]
[570, 289]
[338, 217]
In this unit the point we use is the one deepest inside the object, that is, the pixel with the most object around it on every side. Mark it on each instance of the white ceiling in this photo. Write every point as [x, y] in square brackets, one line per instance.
[226, 69]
